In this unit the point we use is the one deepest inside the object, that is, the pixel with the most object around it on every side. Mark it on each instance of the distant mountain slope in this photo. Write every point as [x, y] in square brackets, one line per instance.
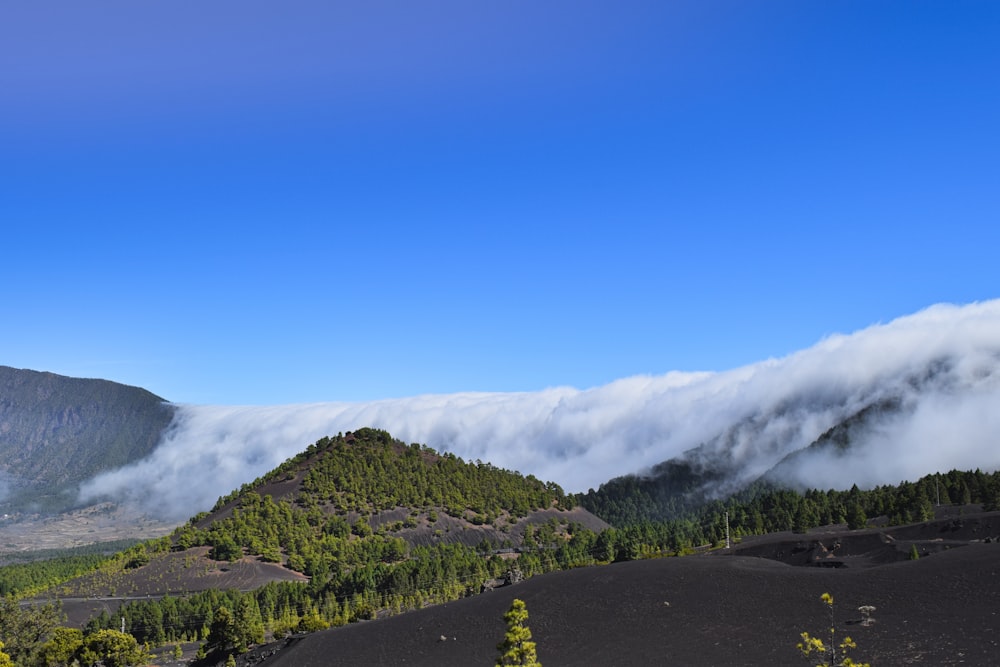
[939, 413]
[56, 432]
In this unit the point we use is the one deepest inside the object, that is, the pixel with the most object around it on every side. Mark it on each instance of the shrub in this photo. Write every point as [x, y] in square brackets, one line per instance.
[815, 648]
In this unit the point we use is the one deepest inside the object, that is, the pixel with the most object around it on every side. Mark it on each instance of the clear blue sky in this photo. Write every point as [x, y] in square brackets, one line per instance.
[262, 202]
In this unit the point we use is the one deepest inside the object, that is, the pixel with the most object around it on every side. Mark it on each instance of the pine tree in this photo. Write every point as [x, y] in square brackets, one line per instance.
[5, 660]
[248, 627]
[517, 647]
[221, 637]
[856, 517]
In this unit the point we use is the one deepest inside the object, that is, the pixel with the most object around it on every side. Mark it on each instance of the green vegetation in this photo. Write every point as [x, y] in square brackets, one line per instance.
[23, 630]
[30, 636]
[319, 516]
[517, 647]
[324, 526]
[367, 471]
[764, 508]
[236, 631]
[815, 648]
[33, 572]
[111, 648]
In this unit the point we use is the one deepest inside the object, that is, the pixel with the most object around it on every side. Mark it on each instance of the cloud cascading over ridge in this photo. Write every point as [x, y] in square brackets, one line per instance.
[941, 364]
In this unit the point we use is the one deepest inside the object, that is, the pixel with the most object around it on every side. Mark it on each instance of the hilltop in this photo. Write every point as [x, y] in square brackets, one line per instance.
[367, 521]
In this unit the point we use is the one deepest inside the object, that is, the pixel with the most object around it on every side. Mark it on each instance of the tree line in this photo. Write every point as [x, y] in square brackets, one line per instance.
[763, 507]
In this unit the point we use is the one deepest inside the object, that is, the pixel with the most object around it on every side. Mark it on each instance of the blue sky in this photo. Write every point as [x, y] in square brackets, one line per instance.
[262, 203]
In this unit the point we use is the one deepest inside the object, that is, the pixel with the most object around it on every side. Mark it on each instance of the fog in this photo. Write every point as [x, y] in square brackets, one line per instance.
[942, 364]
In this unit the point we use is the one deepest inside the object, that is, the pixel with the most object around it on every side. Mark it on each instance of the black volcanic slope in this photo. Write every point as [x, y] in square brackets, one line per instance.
[722, 608]
[57, 431]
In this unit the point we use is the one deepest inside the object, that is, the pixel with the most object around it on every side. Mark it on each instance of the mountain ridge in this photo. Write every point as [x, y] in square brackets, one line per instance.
[57, 431]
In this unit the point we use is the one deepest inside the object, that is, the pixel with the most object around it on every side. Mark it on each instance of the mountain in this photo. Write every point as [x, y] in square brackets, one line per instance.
[368, 521]
[56, 432]
[712, 472]
[893, 401]
[941, 366]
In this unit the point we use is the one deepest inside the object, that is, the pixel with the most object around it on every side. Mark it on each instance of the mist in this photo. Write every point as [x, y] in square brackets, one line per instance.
[942, 365]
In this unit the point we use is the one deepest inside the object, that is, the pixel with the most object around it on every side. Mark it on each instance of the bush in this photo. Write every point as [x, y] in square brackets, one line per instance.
[815, 648]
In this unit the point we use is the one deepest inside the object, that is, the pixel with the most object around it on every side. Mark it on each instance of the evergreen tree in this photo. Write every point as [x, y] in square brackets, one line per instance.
[221, 636]
[806, 517]
[62, 646]
[25, 629]
[111, 648]
[517, 647]
[856, 517]
[248, 627]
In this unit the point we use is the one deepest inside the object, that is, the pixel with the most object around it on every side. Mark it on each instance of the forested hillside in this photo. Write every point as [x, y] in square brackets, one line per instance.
[375, 524]
[765, 508]
[56, 432]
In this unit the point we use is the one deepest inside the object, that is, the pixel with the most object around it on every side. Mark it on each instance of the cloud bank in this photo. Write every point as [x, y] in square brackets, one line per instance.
[942, 365]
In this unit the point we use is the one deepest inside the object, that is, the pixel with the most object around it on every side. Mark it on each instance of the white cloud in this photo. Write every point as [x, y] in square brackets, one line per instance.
[751, 416]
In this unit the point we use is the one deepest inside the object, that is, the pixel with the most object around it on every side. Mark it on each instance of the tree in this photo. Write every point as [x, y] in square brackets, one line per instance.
[5, 660]
[517, 647]
[24, 629]
[62, 646]
[856, 517]
[806, 516]
[111, 648]
[248, 626]
[221, 635]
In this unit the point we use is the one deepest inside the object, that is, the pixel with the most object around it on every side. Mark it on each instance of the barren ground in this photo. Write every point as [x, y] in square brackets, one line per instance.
[736, 607]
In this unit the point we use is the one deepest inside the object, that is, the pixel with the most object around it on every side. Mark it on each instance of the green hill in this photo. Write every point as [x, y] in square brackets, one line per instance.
[357, 525]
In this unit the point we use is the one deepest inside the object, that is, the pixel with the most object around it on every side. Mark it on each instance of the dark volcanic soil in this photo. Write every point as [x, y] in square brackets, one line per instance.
[742, 607]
